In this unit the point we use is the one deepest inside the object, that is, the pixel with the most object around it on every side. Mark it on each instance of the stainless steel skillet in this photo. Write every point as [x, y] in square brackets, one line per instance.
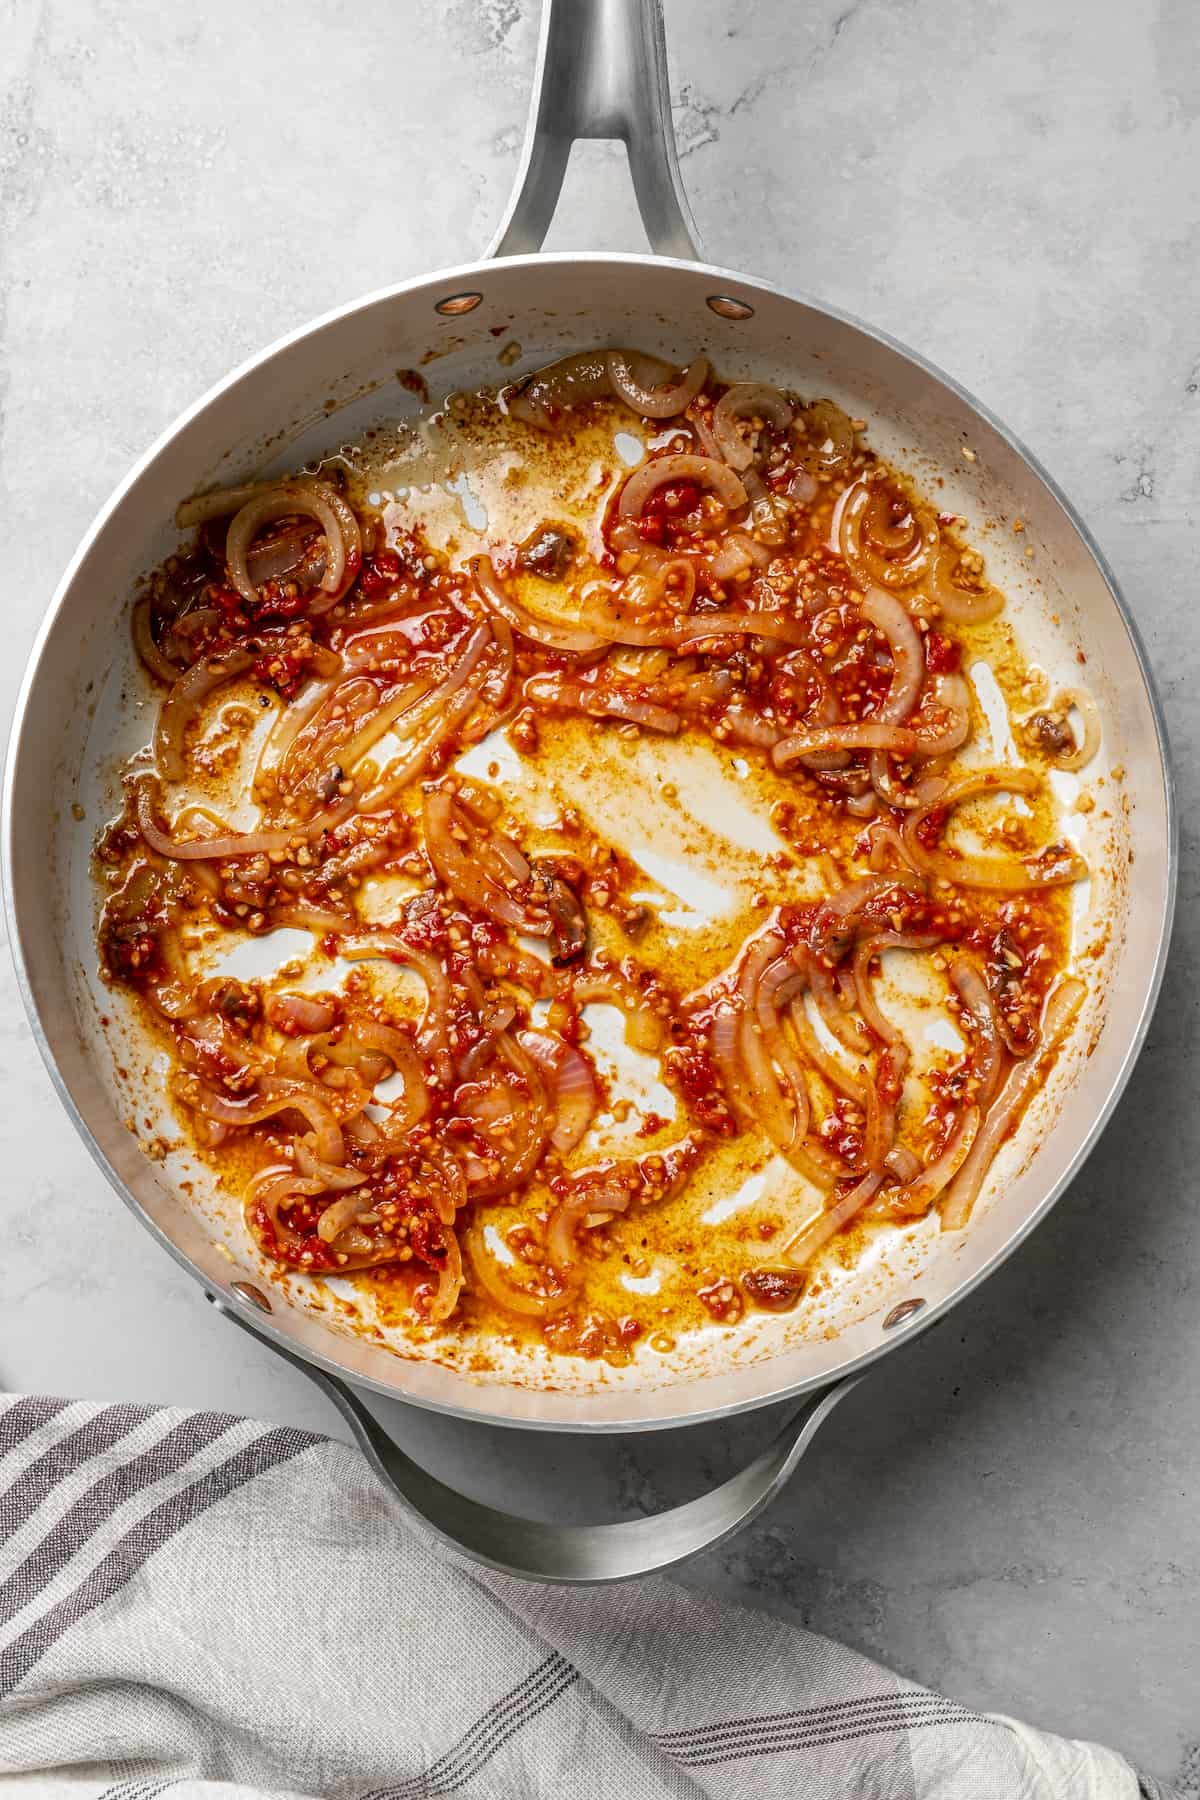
[602, 73]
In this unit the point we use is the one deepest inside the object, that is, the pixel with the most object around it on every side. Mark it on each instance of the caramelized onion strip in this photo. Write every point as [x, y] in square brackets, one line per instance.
[801, 1249]
[1058, 1015]
[654, 402]
[1007, 874]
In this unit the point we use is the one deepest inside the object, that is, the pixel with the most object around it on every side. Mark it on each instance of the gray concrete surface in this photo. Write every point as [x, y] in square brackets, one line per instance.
[1008, 1510]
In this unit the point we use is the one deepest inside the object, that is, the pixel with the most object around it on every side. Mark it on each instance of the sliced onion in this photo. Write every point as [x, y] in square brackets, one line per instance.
[374, 1048]
[747, 726]
[1058, 1015]
[284, 555]
[434, 1034]
[886, 788]
[147, 649]
[185, 699]
[703, 434]
[723, 1036]
[840, 1079]
[549, 632]
[770, 514]
[838, 1022]
[644, 1028]
[605, 1195]
[830, 433]
[315, 499]
[336, 1180]
[575, 1095]
[438, 1304]
[591, 1196]
[460, 869]
[661, 471]
[454, 713]
[869, 734]
[273, 1096]
[502, 1287]
[1007, 874]
[541, 398]
[739, 553]
[343, 1212]
[207, 848]
[960, 605]
[856, 524]
[516, 1162]
[882, 1103]
[657, 402]
[903, 1163]
[864, 955]
[765, 1078]
[915, 1199]
[987, 1046]
[411, 707]
[890, 617]
[873, 734]
[801, 1249]
[300, 1013]
[887, 842]
[271, 1191]
[699, 627]
[746, 400]
[952, 695]
[602, 702]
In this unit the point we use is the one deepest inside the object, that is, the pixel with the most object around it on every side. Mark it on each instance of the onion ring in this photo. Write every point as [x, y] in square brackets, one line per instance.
[662, 471]
[745, 400]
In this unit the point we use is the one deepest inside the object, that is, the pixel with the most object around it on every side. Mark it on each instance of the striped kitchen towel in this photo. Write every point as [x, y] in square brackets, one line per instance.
[205, 1605]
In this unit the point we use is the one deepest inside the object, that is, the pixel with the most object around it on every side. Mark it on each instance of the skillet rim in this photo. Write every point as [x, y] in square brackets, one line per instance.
[932, 1313]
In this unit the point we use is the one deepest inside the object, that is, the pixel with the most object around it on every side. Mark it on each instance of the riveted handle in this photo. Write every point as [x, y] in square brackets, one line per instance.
[535, 1550]
[601, 73]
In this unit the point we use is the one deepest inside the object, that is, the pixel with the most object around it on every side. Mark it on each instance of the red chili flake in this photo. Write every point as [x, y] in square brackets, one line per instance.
[695, 1074]
[722, 1299]
[889, 1079]
[380, 573]
[427, 1240]
[943, 655]
[843, 1135]
[228, 603]
[280, 669]
[673, 498]
[931, 827]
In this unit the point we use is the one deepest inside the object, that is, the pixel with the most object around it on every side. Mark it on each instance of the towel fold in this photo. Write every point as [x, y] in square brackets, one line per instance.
[210, 1605]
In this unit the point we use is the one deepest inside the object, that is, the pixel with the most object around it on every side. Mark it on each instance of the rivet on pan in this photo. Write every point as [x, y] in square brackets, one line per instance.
[729, 308]
[898, 1314]
[458, 303]
[246, 1290]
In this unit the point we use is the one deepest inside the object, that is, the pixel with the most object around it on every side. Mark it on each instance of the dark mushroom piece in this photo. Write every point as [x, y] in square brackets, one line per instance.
[567, 919]
[549, 552]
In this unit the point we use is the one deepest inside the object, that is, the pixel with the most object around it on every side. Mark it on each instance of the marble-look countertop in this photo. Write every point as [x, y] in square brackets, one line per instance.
[1008, 1510]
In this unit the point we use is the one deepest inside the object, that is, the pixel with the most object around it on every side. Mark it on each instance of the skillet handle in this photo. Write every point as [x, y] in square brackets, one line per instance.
[536, 1551]
[601, 73]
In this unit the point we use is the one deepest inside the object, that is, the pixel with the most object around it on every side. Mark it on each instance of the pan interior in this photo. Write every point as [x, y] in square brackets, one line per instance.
[367, 367]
